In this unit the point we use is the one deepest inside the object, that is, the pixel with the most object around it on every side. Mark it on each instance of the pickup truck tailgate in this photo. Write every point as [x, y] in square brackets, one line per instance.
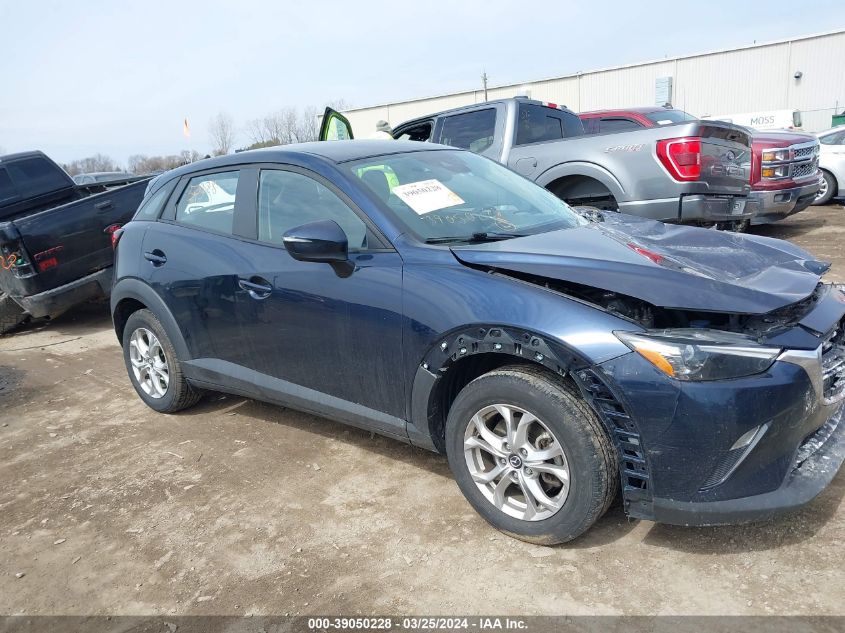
[68, 242]
[725, 158]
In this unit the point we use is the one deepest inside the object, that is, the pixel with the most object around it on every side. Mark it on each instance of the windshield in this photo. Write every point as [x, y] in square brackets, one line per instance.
[453, 194]
[669, 117]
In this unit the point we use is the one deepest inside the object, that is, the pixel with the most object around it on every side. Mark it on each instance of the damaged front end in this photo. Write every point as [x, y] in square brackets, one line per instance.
[730, 406]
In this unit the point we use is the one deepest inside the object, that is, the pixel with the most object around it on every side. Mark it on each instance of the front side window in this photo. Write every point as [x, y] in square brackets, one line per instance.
[471, 130]
[458, 196]
[209, 202]
[837, 138]
[288, 199]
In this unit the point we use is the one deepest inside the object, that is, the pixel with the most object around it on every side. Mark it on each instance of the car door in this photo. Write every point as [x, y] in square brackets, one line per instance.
[335, 127]
[832, 155]
[193, 262]
[325, 337]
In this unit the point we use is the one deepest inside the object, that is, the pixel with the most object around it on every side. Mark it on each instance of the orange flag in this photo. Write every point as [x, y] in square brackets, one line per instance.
[185, 129]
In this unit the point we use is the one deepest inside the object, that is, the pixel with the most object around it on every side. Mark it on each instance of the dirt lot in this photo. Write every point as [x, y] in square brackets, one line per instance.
[240, 507]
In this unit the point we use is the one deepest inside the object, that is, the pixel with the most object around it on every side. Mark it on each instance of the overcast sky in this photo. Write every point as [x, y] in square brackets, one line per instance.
[118, 78]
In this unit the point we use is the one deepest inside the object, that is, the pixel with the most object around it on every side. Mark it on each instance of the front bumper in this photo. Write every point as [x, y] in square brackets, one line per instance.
[778, 204]
[51, 303]
[682, 456]
[803, 483]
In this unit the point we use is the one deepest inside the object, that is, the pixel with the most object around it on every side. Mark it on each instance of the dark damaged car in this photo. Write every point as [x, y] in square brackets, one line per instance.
[554, 355]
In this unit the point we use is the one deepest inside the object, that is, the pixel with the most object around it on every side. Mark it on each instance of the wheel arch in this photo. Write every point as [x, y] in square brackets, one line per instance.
[131, 295]
[584, 174]
[464, 354]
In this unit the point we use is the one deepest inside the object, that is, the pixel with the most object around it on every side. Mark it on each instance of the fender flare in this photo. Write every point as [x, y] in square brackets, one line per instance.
[130, 288]
[520, 344]
[589, 170]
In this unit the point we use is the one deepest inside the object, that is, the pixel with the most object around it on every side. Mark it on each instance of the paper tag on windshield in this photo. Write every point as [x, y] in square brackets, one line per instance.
[426, 196]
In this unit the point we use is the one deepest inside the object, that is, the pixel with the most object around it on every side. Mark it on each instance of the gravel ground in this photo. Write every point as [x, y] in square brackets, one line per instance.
[238, 507]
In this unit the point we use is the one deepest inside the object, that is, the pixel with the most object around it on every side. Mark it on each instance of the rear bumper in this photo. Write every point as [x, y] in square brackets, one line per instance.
[778, 204]
[704, 208]
[694, 208]
[801, 486]
[53, 302]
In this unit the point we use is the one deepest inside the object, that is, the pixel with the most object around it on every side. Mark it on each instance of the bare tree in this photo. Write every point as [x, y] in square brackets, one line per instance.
[141, 164]
[222, 131]
[97, 162]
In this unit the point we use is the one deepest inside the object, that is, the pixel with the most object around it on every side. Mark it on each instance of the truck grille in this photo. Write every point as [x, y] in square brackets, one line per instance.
[833, 366]
[802, 152]
[806, 169]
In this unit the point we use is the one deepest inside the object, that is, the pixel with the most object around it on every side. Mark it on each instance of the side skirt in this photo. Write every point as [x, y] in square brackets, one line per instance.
[220, 375]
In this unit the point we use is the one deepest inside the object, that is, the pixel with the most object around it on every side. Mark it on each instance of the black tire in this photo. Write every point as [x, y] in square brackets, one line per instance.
[179, 394]
[589, 452]
[11, 314]
[831, 184]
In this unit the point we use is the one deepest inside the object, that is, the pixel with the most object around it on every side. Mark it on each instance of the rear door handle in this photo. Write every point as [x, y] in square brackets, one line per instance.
[156, 257]
[103, 206]
[257, 287]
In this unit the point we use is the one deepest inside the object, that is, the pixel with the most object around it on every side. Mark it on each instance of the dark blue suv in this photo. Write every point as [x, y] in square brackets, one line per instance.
[553, 354]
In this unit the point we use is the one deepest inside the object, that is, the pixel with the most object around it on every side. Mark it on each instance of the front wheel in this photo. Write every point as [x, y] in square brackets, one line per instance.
[530, 455]
[827, 187]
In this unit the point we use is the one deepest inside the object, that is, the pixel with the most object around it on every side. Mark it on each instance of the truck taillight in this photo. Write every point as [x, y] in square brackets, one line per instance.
[115, 231]
[681, 157]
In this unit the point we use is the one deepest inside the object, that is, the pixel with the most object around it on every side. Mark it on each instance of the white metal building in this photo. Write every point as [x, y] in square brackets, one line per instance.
[804, 73]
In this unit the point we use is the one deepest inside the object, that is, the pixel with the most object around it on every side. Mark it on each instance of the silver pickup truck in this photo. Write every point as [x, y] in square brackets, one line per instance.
[692, 173]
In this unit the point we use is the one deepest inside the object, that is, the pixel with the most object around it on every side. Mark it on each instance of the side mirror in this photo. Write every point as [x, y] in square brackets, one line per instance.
[321, 241]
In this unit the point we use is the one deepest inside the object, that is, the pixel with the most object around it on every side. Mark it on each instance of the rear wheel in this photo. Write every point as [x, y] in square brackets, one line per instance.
[827, 187]
[11, 314]
[530, 455]
[153, 367]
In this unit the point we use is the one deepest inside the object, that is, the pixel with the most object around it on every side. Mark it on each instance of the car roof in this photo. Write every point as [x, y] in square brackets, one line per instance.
[331, 151]
[838, 128]
[303, 154]
[20, 155]
[637, 110]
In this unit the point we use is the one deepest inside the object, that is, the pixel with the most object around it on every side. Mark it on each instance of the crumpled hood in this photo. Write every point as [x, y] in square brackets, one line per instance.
[666, 265]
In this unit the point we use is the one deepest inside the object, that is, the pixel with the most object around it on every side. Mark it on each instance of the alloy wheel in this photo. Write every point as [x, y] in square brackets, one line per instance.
[149, 363]
[516, 462]
[822, 189]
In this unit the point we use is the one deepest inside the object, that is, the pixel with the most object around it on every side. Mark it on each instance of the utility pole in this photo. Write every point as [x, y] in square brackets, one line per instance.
[484, 83]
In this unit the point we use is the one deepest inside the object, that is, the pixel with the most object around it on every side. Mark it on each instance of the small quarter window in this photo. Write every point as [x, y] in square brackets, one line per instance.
[150, 209]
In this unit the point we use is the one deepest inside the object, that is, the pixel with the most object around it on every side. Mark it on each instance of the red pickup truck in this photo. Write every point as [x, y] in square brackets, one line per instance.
[784, 167]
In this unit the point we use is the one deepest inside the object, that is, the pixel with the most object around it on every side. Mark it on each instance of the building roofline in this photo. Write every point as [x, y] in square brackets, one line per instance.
[603, 70]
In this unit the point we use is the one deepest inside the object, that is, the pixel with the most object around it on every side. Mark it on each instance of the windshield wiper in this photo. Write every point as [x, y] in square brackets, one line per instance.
[474, 238]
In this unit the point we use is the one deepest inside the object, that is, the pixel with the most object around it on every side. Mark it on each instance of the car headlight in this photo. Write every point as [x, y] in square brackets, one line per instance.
[776, 154]
[700, 354]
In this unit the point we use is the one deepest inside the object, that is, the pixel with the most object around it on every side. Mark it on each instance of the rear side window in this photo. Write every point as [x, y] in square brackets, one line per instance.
[471, 130]
[669, 117]
[7, 189]
[150, 209]
[36, 176]
[209, 202]
[538, 123]
[609, 126]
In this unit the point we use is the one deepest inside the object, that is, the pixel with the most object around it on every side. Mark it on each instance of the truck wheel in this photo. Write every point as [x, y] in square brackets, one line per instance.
[827, 187]
[153, 367]
[530, 456]
[11, 314]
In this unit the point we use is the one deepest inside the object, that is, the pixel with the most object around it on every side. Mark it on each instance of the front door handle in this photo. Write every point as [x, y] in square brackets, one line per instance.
[257, 287]
[156, 257]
